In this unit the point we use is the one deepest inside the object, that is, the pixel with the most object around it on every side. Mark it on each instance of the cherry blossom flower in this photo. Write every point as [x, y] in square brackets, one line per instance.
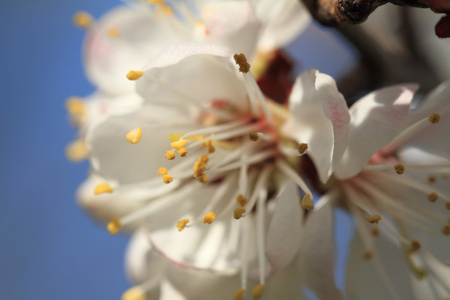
[205, 154]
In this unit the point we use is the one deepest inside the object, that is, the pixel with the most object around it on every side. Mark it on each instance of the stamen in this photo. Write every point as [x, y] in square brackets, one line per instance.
[77, 151]
[368, 255]
[178, 144]
[302, 148]
[163, 6]
[400, 169]
[258, 291]
[307, 202]
[375, 231]
[200, 166]
[134, 136]
[447, 205]
[238, 212]
[170, 155]
[290, 173]
[431, 179]
[209, 146]
[134, 75]
[253, 136]
[162, 171]
[434, 118]
[373, 219]
[182, 152]
[203, 178]
[415, 245]
[103, 188]
[114, 226]
[432, 197]
[83, 19]
[167, 178]
[75, 106]
[241, 60]
[113, 32]
[446, 230]
[209, 218]
[241, 200]
[239, 295]
[134, 293]
[181, 224]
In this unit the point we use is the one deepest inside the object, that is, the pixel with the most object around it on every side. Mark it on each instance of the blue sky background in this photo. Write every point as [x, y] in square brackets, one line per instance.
[48, 248]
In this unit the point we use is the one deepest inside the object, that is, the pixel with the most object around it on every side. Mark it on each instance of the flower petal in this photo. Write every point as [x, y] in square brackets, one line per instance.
[375, 120]
[319, 117]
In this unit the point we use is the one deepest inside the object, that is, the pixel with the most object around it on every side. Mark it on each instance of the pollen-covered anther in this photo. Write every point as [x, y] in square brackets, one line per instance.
[373, 219]
[134, 75]
[434, 118]
[431, 179]
[209, 146]
[238, 212]
[203, 178]
[241, 200]
[134, 135]
[103, 188]
[162, 171]
[368, 255]
[167, 178]
[134, 293]
[178, 144]
[446, 230]
[239, 295]
[209, 218]
[82, 19]
[113, 32]
[307, 202]
[432, 197]
[181, 224]
[170, 155]
[415, 245]
[253, 136]
[302, 148]
[77, 151]
[258, 291]
[241, 60]
[182, 152]
[114, 226]
[200, 166]
[375, 231]
[399, 168]
[75, 106]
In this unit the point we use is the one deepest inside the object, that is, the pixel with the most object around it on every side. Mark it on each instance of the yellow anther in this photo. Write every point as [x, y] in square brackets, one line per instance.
[253, 136]
[258, 291]
[170, 155]
[399, 168]
[434, 118]
[241, 60]
[446, 230]
[431, 179]
[114, 226]
[167, 178]
[202, 179]
[134, 293]
[238, 212]
[103, 188]
[77, 151]
[178, 144]
[182, 152]
[209, 218]
[134, 136]
[162, 171]
[373, 219]
[209, 146]
[82, 19]
[368, 255]
[200, 166]
[302, 148]
[173, 137]
[113, 32]
[241, 200]
[134, 75]
[163, 6]
[415, 245]
[239, 295]
[432, 197]
[447, 205]
[307, 202]
[375, 231]
[75, 106]
[181, 224]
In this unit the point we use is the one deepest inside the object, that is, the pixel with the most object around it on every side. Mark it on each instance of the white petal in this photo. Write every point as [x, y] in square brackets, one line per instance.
[317, 254]
[141, 34]
[282, 245]
[319, 117]
[375, 120]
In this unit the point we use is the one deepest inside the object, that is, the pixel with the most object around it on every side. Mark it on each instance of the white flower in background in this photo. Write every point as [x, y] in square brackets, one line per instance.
[206, 156]
[393, 178]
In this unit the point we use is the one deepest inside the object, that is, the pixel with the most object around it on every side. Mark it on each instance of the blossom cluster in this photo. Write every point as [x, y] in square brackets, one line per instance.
[229, 193]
